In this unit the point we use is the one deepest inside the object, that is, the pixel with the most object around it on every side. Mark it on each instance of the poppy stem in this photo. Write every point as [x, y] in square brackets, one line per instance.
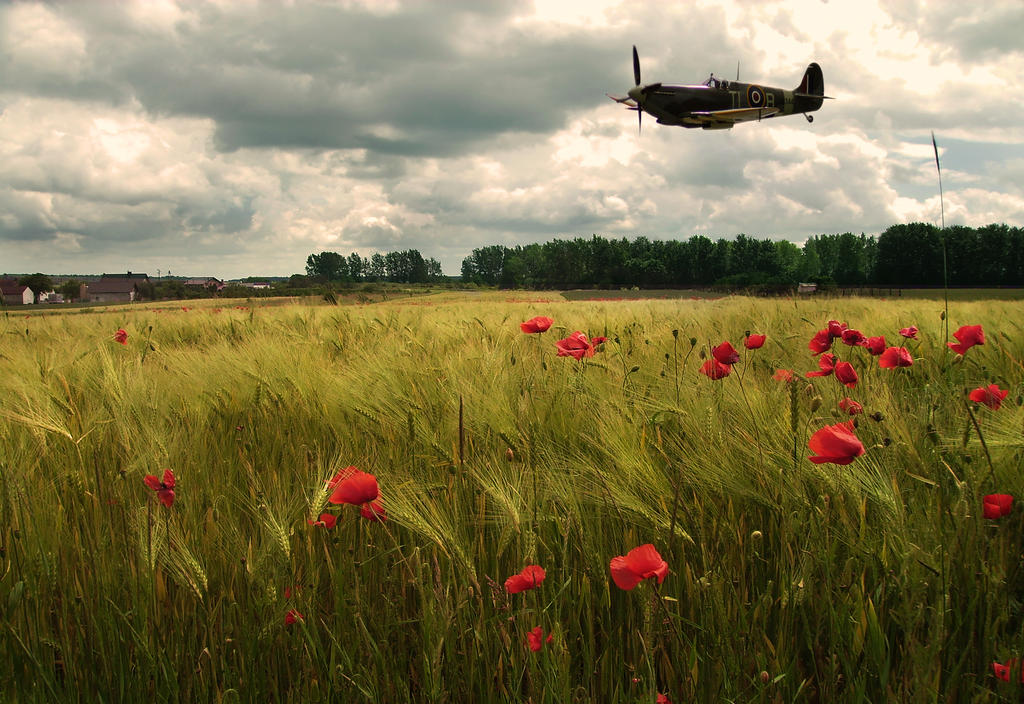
[462, 437]
[675, 361]
[753, 420]
[984, 446]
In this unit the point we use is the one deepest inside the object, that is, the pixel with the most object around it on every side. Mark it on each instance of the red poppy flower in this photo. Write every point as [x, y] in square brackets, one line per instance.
[992, 396]
[714, 369]
[875, 345]
[662, 699]
[121, 336]
[292, 616]
[835, 444]
[326, 520]
[373, 511]
[895, 357]
[754, 342]
[725, 353]
[539, 324]
[357, 488]
[996, 505]
[853, 337]
[969, 336]
[909, 332]
[835, 328]
[821, 342]
[826, 363]
[1002, 671]
[341, 474]
[164, 489]
[536, 640]
[783, 375]
[529, 578]
[638, 564]
[578, 346]
[851, 406]
[846, 374]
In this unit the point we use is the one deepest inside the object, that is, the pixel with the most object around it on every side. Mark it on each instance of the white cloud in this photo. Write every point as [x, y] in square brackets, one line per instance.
[239, 138]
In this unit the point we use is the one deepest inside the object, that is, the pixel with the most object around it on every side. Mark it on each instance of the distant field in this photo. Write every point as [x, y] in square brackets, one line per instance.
[894, 293]
[965, 294]
[787, 581]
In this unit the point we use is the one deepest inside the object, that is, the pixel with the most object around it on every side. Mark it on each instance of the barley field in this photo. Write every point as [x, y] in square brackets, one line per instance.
[234, 577]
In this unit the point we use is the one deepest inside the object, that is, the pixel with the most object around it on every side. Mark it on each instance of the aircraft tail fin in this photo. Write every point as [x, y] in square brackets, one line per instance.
[813, 83]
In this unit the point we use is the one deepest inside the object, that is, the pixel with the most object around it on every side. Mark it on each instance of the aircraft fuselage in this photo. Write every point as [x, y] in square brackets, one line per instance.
[675, 104]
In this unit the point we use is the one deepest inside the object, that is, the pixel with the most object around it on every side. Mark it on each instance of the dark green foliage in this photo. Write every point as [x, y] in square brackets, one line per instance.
[903, 255]
[407, 266]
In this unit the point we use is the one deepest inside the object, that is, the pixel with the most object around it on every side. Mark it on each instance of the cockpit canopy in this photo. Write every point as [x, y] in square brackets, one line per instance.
[713, 82]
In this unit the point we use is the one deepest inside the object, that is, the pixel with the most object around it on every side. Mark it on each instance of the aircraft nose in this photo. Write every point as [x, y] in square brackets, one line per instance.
[636, 92]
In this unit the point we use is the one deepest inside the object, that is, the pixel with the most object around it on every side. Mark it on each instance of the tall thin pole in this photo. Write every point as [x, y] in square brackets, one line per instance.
[942, 211]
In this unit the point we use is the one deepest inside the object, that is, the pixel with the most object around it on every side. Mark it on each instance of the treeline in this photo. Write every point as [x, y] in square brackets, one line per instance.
[407, 267]
[902, 255]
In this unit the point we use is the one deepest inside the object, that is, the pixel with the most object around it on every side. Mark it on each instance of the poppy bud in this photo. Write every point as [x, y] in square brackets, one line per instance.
[675, 333]
[693, 342]
[509, 455]
[756, 535]
[815, 403]
[765, 677]
[703, 354]
[942, 315]
[634, 369]
[746, 333]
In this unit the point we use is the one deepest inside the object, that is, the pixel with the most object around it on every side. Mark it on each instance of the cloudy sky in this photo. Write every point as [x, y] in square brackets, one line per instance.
[237, 138]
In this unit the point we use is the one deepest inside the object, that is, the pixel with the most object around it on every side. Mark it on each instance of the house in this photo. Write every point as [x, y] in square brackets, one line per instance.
[208, 283]
[112, 290]
[806, 288]
[14, 294]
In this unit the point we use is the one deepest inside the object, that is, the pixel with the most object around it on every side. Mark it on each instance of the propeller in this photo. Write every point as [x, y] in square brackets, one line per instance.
[636, 79]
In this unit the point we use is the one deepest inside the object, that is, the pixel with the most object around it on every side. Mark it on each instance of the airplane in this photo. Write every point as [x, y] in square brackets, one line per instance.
[719, 104]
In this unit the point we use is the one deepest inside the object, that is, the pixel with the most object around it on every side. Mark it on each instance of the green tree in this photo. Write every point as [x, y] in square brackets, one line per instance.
[70, 289]
[377, 269]
[327, 266]
[355, 266]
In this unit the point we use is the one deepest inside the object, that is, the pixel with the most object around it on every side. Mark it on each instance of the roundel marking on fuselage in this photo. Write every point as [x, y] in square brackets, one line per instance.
[755, 96]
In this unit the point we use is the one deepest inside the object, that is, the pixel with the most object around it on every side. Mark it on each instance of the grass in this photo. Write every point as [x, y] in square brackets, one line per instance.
[788, 581]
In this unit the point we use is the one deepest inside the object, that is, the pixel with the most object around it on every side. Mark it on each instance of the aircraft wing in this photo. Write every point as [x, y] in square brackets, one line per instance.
[710, 119]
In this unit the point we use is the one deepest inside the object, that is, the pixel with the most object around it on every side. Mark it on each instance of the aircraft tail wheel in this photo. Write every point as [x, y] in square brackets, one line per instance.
[810, 118]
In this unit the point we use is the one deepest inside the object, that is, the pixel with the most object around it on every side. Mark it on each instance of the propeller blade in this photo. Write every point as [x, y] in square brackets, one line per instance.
[636, 66]
[639, 120]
